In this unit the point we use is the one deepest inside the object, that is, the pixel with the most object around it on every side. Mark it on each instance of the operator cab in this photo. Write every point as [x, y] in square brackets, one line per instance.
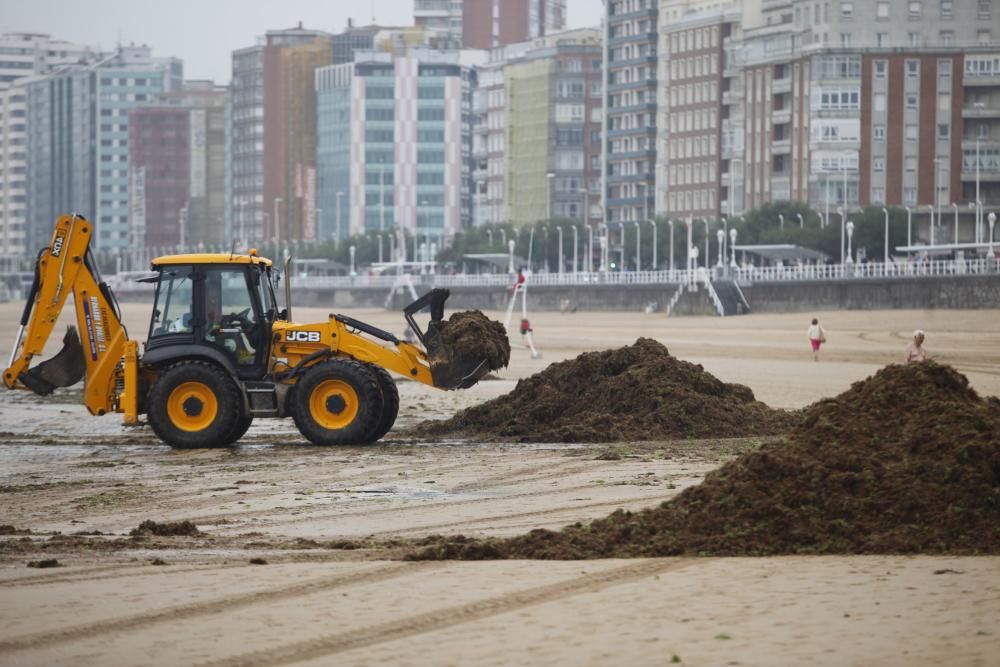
[219, 306]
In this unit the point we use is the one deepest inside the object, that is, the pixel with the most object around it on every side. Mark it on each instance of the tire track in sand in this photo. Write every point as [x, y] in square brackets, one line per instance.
[381, 633]
[216, 606]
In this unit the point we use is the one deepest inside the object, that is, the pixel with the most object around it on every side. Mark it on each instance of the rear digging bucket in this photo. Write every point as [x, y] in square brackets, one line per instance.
[63, 370]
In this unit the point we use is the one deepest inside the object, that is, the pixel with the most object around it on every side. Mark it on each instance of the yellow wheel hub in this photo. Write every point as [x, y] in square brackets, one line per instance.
[192, 406]
[333, 404]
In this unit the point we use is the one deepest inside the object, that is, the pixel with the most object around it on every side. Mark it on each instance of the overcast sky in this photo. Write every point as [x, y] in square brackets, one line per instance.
[205, 32]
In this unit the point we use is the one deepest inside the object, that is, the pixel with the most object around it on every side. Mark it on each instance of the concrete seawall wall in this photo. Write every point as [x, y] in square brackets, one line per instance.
[764, 297]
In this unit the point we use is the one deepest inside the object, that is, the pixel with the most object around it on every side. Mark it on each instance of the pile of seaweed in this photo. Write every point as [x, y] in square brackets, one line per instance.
[638, 392]
[907, 461]
[470, 334]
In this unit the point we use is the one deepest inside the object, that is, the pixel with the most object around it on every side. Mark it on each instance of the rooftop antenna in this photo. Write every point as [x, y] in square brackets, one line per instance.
[373, 12]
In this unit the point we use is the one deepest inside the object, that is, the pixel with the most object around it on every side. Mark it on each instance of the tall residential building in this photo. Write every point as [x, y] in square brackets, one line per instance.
[695, 147]
[486, 24]
[857, 103]
[353, 39]
[630, 103]
[22, 56]
[177, 168]
[78, 139]
[272, 116]
[537, 112]
[394, 144]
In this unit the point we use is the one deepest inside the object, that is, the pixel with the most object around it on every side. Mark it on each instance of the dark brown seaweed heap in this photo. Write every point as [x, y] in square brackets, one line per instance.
[907, 461]
[638, 392]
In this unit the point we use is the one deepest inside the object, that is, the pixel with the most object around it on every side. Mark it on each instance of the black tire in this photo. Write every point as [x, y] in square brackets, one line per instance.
[390, 403]
[201, 394]
[337, 402]
[242, 425]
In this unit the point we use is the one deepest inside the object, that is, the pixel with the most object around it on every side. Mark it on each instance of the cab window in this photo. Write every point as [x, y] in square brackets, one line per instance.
[231, 316]
[172, 312]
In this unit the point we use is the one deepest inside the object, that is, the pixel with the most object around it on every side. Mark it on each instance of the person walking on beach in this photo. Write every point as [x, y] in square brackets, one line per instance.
[915, 351]
[817, 336]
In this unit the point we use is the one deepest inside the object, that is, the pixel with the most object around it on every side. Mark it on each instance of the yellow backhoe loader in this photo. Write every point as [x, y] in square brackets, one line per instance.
[220, 353]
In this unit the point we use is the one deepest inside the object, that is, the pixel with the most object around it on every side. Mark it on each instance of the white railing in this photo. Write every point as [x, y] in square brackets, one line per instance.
[716, 301]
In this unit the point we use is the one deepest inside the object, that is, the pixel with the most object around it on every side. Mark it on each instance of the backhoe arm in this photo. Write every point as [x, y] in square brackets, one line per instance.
[66, 266]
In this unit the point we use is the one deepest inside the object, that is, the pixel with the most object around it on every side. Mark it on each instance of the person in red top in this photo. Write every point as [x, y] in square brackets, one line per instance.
[519, 283]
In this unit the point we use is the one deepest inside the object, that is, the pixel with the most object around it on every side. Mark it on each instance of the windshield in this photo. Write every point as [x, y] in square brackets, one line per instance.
[172, 312]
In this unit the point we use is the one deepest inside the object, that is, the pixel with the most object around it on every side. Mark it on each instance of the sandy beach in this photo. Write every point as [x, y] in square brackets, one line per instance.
[329, 525]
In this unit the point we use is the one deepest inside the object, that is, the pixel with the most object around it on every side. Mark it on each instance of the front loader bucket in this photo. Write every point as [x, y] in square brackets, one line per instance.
[450, 369]
[461, 363]
[63, 370]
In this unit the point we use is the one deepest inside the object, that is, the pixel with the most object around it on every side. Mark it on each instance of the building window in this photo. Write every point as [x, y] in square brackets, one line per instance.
[845, 40]
[943, 131]
[946, 37]
[881, 66]
[882, 40]
[985, 8]
[846, 10]
[911, 132]
[882, 10]
[878, 195]
[915, 39]
[983, 131]
[915, 9]
[878, 164]
[911, 101]
[944, 69]
[947, 9]
[878, 132]
[909, 195]
[910, 164]
[913, 68]
[984, 37]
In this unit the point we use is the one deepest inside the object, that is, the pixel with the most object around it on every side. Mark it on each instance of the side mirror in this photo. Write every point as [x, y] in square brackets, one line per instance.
[283, 314]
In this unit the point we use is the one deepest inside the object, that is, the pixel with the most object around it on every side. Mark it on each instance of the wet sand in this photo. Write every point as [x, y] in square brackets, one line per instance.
[316, 602]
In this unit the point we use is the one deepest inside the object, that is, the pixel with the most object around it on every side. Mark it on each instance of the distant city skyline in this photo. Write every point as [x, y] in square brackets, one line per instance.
[204, 34]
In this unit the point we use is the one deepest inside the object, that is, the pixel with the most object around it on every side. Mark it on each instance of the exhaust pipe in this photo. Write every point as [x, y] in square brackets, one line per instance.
[288, 287]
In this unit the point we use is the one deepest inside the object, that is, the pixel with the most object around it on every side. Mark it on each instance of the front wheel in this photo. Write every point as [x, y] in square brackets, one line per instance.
[337, 402]
[194, 404]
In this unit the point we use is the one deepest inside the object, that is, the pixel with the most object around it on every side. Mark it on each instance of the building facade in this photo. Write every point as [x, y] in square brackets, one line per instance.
[23, 56]
[851, 104]
[486, 24]
[394, 145]
[272, 94]
[630, 103]
[177, 168]
[696, 111]
[78, 139]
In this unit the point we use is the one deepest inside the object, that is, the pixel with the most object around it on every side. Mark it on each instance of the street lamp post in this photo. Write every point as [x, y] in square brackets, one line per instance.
[979, 203]
[671, 223]
[850, 233]
[576, 248]
[380, 248]
[489, 236]
[885, 211]
[721, 237]
[277, 223]
[690, 225]
[340, 206]
[732, 247]
[708, 256]
[510, 256]
[909, 227]
[937, 189]
[781, 222]
[560, 232]
[638, 246]
[653, 223]
[955, 206]
[843, 220]
[381, 202]
[503, 237]
[590, 249]
[802, 223]
[931, 239]
[992, 218]
[548, 195]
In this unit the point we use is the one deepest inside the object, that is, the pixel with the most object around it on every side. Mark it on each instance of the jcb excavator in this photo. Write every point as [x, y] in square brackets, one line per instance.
[220, 353]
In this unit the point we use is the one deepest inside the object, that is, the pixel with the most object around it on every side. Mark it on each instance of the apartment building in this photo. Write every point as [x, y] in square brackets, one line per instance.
[695, 147]
[537, 131]
[631, 106]
[486, 24]
[177, 168]
[78, 135]
[853, 103]
[22, 57]
[272, 134]
[395, 144]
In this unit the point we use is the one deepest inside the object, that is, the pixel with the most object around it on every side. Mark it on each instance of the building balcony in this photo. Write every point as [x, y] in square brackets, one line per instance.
[632, 62]
[632, 155]
[631, 39]
[781, 86]
[634, 132]
[647, 13]
[969, 145]
[986, 175]
[634, 108]
[634, 178]
[781, 116]
[781, 147]
[981, 81]
[632, 85]
[984, 112]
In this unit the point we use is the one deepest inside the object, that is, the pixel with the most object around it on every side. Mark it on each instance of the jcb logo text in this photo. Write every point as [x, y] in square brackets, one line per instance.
[302, 336]
[57, 245]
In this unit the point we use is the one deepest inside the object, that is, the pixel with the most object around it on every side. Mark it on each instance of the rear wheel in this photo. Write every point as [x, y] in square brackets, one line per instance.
[194, 404]
[338, 402]
[390, 403]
